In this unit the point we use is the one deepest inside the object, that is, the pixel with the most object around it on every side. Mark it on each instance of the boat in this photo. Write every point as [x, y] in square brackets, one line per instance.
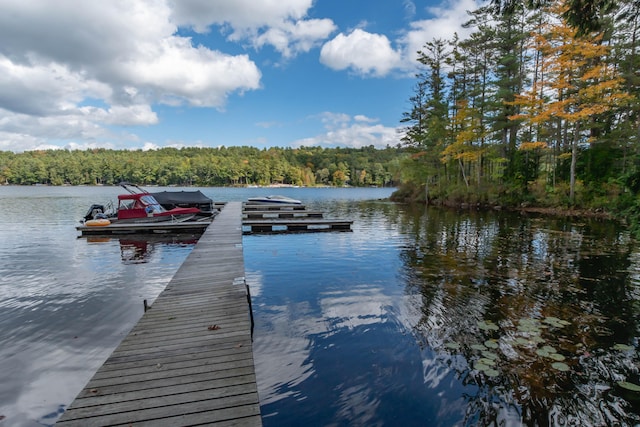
[274, 199]
[139, 210]
[139, 205]
[185, 199]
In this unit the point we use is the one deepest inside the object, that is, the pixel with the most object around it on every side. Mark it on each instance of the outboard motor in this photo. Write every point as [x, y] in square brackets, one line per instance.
[94, 211]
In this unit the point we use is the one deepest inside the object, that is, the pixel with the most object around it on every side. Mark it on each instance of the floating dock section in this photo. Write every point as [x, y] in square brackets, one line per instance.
[145, 227]
[288, 218]
[189, 360]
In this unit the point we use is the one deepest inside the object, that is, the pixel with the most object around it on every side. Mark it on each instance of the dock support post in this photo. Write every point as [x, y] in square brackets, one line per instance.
[250, 307]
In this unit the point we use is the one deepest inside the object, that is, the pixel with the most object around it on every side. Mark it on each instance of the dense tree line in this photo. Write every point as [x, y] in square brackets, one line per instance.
[529, 109]
[204, 166]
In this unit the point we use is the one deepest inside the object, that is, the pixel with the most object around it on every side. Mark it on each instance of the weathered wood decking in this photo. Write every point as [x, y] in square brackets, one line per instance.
[285, 213]
[189, 359]
[272, 206]
[146, 227]
[297, 224]
[288, 218]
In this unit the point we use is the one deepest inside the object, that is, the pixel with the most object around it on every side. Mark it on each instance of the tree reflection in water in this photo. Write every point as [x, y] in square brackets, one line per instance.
[539, 313]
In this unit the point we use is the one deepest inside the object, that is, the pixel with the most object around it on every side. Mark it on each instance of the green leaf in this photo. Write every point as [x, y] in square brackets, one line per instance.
[491, 372]
[623, 347]
[491, 344]
[560, 366]
[542, 352]
[488, 362]
[556, 356]
[489, 355]
[487, 325]
[480, 366]
[629, 386]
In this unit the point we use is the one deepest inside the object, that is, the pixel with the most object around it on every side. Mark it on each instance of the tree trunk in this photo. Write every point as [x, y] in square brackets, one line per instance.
[426, 191]
[464, 176]
[574, 160]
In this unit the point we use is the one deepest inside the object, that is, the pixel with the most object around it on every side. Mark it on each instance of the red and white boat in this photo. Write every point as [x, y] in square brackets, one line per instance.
[140, 209]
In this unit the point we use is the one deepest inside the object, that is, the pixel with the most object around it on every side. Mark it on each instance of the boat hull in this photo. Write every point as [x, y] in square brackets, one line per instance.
[274, 200]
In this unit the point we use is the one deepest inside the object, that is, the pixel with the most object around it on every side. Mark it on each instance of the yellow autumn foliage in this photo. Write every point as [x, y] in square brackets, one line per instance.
[530, 146]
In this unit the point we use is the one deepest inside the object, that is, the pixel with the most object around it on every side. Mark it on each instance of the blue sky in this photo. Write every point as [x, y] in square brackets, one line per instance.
[146, 74]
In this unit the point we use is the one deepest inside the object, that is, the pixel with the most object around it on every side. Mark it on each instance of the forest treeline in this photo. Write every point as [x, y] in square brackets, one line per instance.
[528, 110]
[223, 166]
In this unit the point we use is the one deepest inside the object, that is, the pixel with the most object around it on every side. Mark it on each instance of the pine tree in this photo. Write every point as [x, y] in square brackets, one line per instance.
[580, 84]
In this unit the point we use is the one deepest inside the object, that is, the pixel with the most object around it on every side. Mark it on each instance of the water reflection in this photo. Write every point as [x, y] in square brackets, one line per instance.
[64, 306]
[139, 249]
[66, 302]
[535, 307]
[434, 317]
[387, 325]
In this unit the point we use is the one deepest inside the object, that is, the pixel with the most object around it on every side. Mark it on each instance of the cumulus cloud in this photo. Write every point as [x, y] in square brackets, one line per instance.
[130, 115]
[342, 130]
[281, 24]
[44, 89]
[292, 38]
[174, 72]
[71, 72]
[80, 67]
[368, 54]
[409, 8]
[360, 51]
[447, 20]
[200, 14]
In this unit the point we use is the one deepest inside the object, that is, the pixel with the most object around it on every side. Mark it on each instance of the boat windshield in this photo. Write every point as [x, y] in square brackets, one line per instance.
[151, 204]
[146, 202]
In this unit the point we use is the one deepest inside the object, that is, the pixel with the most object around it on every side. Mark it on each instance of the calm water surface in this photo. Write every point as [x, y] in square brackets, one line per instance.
[417, 317]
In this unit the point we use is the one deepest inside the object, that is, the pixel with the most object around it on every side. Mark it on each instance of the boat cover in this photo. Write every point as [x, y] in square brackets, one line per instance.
[182, 198]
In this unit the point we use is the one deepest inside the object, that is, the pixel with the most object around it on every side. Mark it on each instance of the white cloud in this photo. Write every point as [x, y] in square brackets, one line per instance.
[148, 146]
[360, 51]
[130, 115]
[292, 38]
[200, 14]
[361, 118]
[82, 147]
[10, 141]
[447, 20]
[281, 24]
[173, 72]
[68, 69]
[71, 71]
[369, 54]
[342, 130]
[41, 89]
[409, 8]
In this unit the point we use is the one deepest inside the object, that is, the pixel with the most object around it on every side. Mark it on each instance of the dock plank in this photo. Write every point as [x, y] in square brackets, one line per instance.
[297, 224]
[248, 206]
[189, 360]
[282, 214]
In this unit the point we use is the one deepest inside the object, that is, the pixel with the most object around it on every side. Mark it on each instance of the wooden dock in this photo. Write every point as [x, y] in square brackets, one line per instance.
[145, 227]
[189, 360]
[297, 224]
[282, 214]
[247, 206]
[288, 218]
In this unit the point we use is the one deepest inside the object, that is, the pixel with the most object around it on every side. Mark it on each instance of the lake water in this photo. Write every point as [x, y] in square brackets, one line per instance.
[418, 317]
